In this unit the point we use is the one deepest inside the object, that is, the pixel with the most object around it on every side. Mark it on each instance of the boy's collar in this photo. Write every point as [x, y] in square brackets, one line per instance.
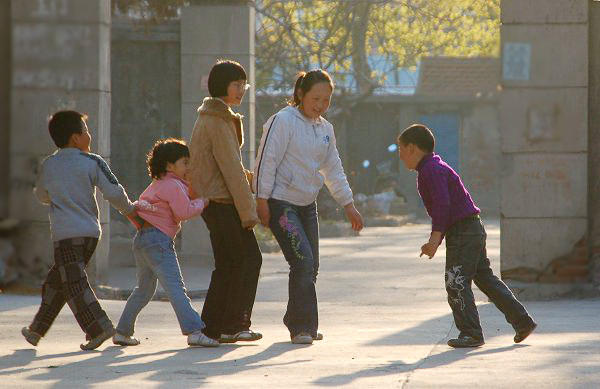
[424, 160]
[70, 150]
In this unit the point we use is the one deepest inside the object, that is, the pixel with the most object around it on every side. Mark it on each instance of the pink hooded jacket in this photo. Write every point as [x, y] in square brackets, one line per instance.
[166, 203]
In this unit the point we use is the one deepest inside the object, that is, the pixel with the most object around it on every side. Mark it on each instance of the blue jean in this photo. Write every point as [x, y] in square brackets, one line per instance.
[467, 262]
[296, 229]
[156, 260]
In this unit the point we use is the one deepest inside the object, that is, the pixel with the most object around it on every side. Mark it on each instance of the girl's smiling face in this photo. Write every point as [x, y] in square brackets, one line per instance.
[316, 101]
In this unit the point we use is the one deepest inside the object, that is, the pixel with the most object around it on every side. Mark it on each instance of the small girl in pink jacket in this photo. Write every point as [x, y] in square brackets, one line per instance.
[163, 205]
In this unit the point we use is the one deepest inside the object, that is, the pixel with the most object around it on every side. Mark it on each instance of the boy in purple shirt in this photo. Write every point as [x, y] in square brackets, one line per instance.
[455, 217]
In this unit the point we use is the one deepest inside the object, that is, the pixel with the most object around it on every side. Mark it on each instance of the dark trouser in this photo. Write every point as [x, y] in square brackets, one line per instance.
[296, 229]
[67, 282]
[228, 305]
[466, 261]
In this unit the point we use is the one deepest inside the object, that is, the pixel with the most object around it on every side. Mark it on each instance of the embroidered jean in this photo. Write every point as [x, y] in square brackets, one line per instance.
[232, 290]
[67, 282]
[156, 261]
[466, 262]
[296, 229]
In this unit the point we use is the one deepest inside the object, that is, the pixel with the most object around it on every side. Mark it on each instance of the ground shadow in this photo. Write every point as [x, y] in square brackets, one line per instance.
[194, 365]
[397, 367]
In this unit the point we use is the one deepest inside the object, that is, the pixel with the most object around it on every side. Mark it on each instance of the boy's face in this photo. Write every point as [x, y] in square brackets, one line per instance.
[179, 168]
[409, 154]
[82, 140]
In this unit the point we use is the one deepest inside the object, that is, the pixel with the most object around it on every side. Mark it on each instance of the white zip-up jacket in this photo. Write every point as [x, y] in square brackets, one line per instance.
[296, 156]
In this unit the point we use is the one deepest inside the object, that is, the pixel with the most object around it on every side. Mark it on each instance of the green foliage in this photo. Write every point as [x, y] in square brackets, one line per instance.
[340, 35]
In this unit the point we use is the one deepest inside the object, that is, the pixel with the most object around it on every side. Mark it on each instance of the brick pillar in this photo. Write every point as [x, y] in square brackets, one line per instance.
[211, 32]
[544, 130]
[60, 60]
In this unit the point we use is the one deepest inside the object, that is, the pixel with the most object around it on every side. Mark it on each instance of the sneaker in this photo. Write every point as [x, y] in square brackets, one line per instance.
[465, 341]
[123, 340]
[199, 339]
[94, 343]
[30, 336]
[302, 338]
[242, 336]
[524, 332]
[318, 337]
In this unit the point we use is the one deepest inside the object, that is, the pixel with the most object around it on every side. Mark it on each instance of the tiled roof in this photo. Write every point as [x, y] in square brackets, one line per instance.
[458, 77]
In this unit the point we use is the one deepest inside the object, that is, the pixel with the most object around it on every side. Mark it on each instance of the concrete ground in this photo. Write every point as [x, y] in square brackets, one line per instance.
[383, 313]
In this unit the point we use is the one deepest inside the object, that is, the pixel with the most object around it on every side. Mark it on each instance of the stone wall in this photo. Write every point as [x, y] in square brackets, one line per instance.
[145, 106]
[544, 127]
[60, 60]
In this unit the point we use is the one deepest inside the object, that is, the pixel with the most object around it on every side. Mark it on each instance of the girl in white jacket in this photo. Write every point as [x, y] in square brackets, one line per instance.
[297, 154]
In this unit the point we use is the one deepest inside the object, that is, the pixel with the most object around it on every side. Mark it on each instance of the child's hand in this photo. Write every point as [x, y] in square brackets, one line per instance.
[354, 217]
[262, 209]
[136, 220]
[192, 193]
[429, 249]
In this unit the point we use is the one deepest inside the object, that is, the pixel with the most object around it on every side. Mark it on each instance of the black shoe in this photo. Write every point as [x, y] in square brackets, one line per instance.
[465, 341]
[525, 332]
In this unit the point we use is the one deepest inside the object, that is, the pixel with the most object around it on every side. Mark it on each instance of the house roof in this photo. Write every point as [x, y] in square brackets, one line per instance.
[458, 77]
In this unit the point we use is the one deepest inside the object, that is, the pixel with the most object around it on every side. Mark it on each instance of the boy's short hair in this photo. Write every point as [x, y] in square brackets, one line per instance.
[63, 124]
[222, 74]
[418, 135]
[165, 151]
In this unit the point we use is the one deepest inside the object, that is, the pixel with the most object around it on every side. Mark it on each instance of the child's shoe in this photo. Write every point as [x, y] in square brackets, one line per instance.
[524, 332]
[465, 341]
[30, 336]
[242, 336]
[302, 338]
[94, 343]
[123, 340]
[199, 339]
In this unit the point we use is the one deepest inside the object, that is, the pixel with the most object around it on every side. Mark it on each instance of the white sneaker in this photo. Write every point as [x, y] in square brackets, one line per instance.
[199, 339]
[123, 340]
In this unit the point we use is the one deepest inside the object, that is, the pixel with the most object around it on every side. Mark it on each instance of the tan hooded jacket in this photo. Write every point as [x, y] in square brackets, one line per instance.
[216, 170]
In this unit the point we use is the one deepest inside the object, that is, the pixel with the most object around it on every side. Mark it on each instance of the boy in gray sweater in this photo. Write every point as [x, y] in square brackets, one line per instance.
[67, 183]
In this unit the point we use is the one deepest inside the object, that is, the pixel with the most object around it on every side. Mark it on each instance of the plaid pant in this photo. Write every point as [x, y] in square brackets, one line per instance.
[67, 282]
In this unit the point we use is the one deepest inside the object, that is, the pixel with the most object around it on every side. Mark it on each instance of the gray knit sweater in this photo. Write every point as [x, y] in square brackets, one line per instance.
[67, 183]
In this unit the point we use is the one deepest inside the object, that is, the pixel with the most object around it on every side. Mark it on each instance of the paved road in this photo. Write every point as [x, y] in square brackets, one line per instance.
[382, 311]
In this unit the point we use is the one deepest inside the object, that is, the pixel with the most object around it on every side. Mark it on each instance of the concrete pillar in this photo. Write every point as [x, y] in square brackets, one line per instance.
[211, 32]
[60, 60]
[5, 64]
[594, 136]
[544, 133]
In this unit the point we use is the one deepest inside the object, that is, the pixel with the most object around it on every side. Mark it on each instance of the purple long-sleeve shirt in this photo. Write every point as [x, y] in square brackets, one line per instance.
[443, 193]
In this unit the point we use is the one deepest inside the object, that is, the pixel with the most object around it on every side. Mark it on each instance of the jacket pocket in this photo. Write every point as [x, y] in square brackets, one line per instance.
[284, 177]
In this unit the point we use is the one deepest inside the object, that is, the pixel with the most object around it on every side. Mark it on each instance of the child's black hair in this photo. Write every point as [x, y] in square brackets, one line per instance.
[418, 135]
[165, 151]
[222, 74]
[63, 124]
[306, 80]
